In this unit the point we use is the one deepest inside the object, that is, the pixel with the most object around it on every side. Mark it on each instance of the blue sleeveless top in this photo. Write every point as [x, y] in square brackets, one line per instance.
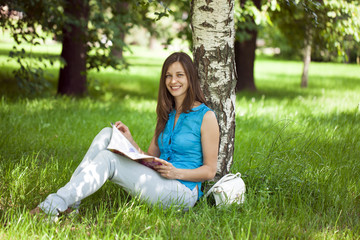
[181, 146]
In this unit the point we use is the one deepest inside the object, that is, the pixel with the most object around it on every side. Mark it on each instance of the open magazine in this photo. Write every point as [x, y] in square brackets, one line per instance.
[120, 145]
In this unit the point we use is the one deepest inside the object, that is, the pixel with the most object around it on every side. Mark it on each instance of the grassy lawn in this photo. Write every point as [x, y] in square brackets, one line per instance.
[298, 150]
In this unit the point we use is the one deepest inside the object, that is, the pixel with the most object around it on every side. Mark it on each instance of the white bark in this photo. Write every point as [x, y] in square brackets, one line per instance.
[213, 39]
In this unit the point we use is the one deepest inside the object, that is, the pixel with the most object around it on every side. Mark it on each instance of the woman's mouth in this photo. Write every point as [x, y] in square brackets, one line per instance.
[175, 88]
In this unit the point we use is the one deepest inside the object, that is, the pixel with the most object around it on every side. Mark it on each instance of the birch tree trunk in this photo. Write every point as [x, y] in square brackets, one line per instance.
[213, 48]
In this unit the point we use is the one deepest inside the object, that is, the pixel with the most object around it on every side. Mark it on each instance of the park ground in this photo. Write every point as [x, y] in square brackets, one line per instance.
[298, 151]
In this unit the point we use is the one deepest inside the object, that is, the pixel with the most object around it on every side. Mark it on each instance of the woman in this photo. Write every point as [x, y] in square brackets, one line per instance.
[185, 142]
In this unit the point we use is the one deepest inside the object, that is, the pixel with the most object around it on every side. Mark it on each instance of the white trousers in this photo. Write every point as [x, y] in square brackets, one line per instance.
[100, 164]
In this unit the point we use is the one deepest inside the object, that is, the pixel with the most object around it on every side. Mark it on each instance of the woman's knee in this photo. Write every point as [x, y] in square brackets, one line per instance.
[104, 135]
[106, 131]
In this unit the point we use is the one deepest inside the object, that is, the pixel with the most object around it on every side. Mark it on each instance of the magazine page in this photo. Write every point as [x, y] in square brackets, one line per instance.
[120, 144]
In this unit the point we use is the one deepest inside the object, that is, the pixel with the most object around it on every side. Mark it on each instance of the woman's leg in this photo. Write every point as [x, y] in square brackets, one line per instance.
[137, 179]
[126, 177]
[150, 186]
[87, 181]
[99, 143]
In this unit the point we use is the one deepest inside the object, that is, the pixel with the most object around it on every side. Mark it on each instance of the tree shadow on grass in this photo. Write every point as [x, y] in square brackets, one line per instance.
[31, 54]
[318, 85]
[139, 88]
[99, 88]
[272, 93]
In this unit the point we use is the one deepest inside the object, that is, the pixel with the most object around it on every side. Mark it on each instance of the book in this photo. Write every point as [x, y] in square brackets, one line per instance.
[120, 144]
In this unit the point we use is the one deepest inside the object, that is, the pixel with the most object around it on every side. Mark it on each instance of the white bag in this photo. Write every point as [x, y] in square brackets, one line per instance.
[229, 189]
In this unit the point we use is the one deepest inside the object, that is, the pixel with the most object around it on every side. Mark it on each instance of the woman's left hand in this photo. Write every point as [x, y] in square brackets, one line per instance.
[166, 169]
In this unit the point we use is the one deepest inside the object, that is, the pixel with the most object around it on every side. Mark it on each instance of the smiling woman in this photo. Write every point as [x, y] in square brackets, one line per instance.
[176, 81]
[185, 142]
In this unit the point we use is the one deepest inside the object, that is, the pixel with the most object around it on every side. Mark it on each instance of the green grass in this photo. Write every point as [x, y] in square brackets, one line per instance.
[298, 150]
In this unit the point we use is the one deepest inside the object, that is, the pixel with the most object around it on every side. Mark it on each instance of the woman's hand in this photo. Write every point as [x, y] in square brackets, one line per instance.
[167, 170]
[124, 130]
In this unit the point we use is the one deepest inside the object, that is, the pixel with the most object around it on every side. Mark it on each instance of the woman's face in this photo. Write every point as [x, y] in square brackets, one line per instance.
[176, 81]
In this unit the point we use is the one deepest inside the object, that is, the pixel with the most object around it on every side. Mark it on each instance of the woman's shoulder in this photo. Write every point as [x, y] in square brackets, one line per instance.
[209, 121]
[209, 115]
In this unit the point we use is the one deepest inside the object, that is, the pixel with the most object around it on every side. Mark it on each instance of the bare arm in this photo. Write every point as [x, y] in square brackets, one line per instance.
[153, 148]
[210, 145]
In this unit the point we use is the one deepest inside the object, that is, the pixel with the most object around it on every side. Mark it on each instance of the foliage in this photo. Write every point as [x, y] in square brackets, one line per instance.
[177, 15]
[296, 149]
[249, 17]
[28, 22]
[330, 23]
[181, 12]
[35, 22]
[31, 77]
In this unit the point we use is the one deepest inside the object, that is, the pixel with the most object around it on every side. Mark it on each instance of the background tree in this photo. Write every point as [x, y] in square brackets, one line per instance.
[213, 48]
[245, 44]
[250, 17]
[83, 26]
[72, 76]
[298, 21]
[28, 22]
[120, 10]
[321, 25]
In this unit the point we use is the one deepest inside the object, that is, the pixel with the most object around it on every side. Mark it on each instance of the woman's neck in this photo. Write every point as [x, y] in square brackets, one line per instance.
[178, 108]
[178, 105]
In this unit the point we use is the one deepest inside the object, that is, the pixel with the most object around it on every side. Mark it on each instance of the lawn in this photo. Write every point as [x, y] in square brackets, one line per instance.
[297, 149]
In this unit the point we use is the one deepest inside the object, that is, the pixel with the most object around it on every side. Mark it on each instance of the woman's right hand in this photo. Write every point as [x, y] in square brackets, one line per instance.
[124, 130]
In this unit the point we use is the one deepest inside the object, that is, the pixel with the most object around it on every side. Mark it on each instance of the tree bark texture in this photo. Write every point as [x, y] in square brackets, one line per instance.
[213, 49]
[306, 57]
[245, 58]
[72, 77]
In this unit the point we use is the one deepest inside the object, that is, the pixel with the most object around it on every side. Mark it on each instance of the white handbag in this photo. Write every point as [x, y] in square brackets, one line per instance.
[229, 189]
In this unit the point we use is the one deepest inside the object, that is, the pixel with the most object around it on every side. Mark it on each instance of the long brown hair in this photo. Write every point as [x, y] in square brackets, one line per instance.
[166, 102]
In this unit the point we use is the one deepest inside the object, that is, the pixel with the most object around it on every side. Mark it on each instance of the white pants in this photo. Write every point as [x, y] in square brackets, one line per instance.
[99, 165]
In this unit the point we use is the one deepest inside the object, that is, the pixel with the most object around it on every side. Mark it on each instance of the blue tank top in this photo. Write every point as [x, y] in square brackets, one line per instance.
[181, 146]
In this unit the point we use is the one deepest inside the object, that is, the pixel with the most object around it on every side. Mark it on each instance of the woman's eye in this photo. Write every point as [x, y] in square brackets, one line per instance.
[167, 76]
[180, 75]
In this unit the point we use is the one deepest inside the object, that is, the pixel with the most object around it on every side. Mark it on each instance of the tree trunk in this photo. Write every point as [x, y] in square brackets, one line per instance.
[72, 77]
[116, 50]
[122, 8]
[213, 49]
[306, 57]
[245, 57]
